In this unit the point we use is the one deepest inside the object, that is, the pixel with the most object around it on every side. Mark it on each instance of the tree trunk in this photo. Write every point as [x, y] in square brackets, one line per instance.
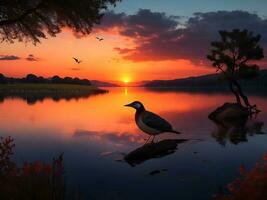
[241, 93]
[238, 100]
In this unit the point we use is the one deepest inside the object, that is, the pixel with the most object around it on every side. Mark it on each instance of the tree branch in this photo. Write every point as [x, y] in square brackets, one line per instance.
[19, 18]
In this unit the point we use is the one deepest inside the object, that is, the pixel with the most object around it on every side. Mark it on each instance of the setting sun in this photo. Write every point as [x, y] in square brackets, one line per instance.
[126, 80]
[99, 96]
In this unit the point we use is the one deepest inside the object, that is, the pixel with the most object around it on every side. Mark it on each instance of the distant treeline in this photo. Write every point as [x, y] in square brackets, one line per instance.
[31, 78]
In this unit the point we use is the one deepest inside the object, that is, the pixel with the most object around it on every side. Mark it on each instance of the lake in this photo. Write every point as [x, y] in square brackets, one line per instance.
[96, 132]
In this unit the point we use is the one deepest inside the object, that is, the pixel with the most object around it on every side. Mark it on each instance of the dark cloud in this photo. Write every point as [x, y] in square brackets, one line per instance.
[9, 57]
[141, 25]
[161, 37]
[111, 20]
[32, 58]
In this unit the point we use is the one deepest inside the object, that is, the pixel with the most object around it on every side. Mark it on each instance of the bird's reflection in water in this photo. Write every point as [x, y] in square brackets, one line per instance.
[153, 150]
[236, 130]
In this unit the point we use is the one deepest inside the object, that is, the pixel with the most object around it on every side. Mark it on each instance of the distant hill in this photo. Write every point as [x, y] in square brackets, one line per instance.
[208, 81]
[103, 84]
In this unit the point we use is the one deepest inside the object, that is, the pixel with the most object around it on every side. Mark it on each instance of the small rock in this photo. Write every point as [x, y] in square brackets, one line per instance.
[229, 111]
[154, 172]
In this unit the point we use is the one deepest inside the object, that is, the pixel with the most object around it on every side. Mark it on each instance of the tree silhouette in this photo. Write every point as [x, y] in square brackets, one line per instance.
[30, 20]
[233, 56]
[2, 79]
[31, 78]
[56, 79]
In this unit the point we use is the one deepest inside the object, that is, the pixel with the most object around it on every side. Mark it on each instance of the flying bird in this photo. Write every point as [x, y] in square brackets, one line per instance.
[77, 60]
[149, 122]
[99, 39]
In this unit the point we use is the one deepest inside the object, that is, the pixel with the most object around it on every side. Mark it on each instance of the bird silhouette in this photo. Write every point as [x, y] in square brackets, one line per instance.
[99, 39]
[77, 60]
[149, 122]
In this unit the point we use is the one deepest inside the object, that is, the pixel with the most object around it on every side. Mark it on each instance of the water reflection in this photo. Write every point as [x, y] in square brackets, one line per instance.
[125, 91]
[93, 132]
[33, 98]
[237, 130]
[153, 150]
[115, 138]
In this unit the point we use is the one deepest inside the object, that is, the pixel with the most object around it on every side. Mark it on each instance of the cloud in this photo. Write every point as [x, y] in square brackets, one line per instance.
[142, 24]
[160, 37]
[118, 138]
[32, 58]
[123, 50]
[112, 20]
[9, 57]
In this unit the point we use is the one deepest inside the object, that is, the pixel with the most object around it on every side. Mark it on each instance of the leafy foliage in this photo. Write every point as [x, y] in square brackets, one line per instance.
[251, 185]
[233, 56]
[235, 51]
[35, 180]
[6, 151]
[32, 78]
[30, 20]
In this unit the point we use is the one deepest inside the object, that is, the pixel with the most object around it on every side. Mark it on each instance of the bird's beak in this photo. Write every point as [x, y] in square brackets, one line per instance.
[128, 105]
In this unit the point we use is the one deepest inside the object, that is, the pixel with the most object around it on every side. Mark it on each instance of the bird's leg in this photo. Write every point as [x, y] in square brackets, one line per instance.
[148, 139]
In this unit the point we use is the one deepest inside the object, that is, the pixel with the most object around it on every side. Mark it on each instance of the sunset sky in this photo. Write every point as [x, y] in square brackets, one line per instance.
[143, 40]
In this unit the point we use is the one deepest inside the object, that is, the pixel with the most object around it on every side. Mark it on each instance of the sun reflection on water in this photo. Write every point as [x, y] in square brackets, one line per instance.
[126, 91]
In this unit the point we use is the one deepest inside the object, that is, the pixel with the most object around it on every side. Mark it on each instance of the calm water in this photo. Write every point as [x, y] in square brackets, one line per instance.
[96, 132]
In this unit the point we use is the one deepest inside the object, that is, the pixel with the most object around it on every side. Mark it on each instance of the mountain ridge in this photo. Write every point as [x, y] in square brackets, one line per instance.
[208, 81]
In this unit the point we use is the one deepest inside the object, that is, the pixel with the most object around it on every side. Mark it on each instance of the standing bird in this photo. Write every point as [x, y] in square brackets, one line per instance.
[99, 39]
[149, 122]
[77, 60]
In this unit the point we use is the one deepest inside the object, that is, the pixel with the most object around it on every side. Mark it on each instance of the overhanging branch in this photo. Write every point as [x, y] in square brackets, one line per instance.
[19, 18]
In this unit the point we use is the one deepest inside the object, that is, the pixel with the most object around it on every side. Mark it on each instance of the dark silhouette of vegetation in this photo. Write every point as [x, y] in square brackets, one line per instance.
[38, 95]
[250, 185]
[33, 88]
[6, 151]
[31, 20]
[237, 130]
[35, 180]
[2, 79]
[233, 56]
[31, 78]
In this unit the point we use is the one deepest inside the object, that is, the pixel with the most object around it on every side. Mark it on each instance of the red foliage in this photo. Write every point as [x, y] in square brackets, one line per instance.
[6, 151]
[35, 180]
[252, 185]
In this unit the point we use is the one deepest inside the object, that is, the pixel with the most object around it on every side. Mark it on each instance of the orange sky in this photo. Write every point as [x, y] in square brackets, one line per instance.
[99, 60]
